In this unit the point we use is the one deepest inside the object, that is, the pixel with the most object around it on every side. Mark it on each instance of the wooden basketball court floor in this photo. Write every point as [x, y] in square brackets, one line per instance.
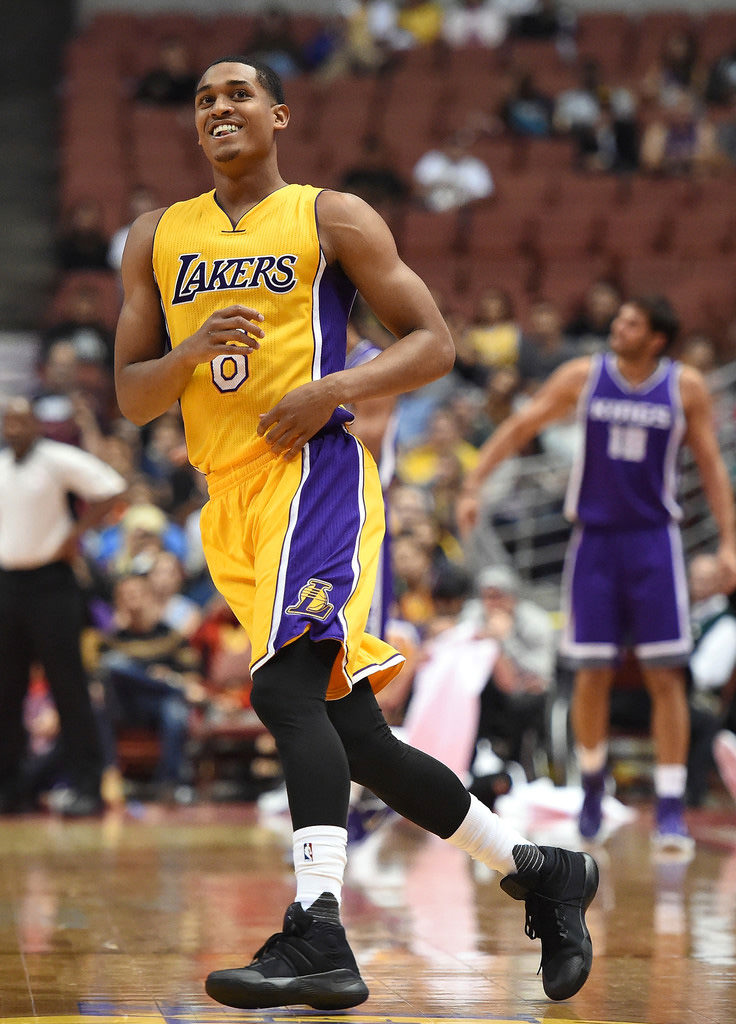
[120, 919]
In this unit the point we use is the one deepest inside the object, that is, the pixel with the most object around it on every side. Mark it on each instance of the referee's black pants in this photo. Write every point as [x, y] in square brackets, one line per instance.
[41, 619]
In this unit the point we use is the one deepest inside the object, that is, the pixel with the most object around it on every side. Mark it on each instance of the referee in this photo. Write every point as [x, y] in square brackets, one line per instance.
[41, 604]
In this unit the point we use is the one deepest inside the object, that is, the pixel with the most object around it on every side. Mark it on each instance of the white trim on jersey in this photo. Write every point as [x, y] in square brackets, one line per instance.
[355, 561]
[677, 433]
[277, 612]
[316, 323]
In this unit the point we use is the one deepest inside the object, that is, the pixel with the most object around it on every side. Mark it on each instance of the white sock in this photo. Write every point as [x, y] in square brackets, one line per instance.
[320, 855]
[592, 759]
[670, 780]
[488, 838]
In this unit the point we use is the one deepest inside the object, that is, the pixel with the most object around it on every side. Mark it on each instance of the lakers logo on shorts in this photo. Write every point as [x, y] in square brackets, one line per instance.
[313, 600]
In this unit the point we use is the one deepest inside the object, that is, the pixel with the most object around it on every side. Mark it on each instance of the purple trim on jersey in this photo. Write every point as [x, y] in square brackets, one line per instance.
[625, 475]
[319, 564]
[333, 295]
[625, 588]
[332, 299]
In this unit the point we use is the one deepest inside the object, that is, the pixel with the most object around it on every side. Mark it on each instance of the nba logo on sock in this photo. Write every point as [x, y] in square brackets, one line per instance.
[308, 852]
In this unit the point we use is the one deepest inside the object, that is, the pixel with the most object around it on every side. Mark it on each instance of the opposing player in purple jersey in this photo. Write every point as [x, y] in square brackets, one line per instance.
[624, 583]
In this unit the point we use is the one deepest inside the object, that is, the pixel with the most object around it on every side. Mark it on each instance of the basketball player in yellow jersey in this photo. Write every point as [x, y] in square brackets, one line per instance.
[255, 281]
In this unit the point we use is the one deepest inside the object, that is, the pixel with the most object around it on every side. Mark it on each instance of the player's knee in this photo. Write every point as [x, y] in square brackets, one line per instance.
[266, 701]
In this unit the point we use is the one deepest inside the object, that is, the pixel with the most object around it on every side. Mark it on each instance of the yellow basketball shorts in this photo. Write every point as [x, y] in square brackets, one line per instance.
[293, 545]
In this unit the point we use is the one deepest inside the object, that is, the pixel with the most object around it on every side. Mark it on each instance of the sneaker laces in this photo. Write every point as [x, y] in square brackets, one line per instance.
[270, 946]
[540, 925]
[283, 939]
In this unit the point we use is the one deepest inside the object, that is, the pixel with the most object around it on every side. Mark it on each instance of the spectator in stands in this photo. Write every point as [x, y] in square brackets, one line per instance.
[164, 461]
[413, 575]
[492, 338]
[72, 399]
[527, 109]
[698, 350]
[726, 137]
[677, 69]
[41, 604]
[225, 650]
[132, 544]
[54, 396]
[577, 109]
[151, 677]
[82, 240]
[436, 535]
[497, 402]
[543, 345]
[274, 41]
[713, 660]
[681, 142]
[407, 506]
[419, 465]
[141, 200]
[168, 581]
[514, 699]
[590, 326]
[415, 408]
[544, 19]
[449, 177]
[173, 80]
[375, 178]
[362, 46]
[475, 23]
[81, 320]
[720, 86]
[601, 120]
[420, 21]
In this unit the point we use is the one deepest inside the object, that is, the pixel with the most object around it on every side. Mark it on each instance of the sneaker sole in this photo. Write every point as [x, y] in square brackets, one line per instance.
[333, 990]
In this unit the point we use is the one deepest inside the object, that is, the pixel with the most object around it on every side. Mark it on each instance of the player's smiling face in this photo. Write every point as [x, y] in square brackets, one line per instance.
[234, 113]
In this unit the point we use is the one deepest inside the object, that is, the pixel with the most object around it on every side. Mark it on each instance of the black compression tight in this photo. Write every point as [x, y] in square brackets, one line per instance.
[417, 786]
[323, 744]
[289, 698]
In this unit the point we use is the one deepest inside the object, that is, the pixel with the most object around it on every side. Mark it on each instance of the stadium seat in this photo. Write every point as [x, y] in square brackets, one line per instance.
[605, 36]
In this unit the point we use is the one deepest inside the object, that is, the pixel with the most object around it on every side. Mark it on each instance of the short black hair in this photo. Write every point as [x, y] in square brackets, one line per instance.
[660, 314]
[266, 77]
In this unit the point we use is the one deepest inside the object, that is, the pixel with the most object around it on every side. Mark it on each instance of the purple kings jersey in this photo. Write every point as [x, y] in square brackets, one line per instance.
[626, 472]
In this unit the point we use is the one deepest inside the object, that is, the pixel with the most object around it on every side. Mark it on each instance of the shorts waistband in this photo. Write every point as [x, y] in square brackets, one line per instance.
[221, 480]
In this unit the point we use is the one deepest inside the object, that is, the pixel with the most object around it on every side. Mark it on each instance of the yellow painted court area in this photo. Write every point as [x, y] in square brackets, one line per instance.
[225, 1017]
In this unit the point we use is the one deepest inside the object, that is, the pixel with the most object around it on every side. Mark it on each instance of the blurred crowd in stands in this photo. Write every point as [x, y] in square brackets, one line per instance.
[151, 610]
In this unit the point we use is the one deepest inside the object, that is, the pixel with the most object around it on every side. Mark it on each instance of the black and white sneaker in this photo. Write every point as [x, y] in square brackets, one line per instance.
[308, 962]
[557, 887]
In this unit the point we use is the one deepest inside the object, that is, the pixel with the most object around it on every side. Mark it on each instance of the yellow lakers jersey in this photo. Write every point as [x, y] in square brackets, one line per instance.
[271, 261]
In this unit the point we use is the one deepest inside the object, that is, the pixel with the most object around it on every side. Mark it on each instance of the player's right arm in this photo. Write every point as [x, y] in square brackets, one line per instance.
[148, 378]
[554, 401]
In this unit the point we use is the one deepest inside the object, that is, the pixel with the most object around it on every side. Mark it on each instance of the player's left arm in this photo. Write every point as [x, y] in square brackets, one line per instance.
[701, 437]
[357, 238]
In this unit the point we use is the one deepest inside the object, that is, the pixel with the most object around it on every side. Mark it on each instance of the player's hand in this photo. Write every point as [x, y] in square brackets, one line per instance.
[297, 417]
[233, 326]
[466, 513]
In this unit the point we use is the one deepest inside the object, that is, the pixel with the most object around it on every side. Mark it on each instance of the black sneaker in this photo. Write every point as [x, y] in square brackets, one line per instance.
[557, 892]
[308, 962]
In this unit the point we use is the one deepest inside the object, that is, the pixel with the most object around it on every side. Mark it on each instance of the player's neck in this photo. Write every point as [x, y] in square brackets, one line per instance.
[638, 369]
[237, 196]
